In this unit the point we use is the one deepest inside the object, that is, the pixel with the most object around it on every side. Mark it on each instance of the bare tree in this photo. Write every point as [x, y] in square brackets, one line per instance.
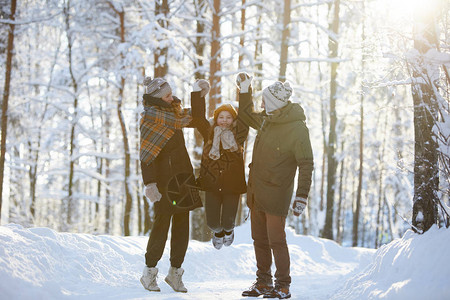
[242, 38]
[331, 149]
[361, 142]
[426, 176]
[128, 198]
[285, 40]
[70, 39]
[215, 65]
[199, 228]
[8, 71]
[161, 53]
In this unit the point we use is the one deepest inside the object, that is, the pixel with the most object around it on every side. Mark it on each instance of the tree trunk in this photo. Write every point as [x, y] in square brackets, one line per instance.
[8, 72]
[126, 147]
[323, 115]
[285, 40]
[426, 176]
[257, 83]
[161, 54]
[332, 163]
[139, 195]
[361, 145]
[200, 40]
[339, 232]
[108, 227]
[242, 38]
[379, 226]
[215, 66]
[200, 230]
[69, 201]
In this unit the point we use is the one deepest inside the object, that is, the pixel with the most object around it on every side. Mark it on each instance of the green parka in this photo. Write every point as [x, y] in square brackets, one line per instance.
[282, 146]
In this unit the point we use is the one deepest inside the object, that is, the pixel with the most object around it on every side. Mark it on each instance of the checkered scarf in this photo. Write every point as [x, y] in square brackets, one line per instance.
[158, 125]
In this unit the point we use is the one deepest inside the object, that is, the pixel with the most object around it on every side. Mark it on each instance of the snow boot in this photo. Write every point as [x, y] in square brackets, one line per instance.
[148, 279]
[174, 279]
[257, 289]
[228, 239]
[278, 292]
[217, 240]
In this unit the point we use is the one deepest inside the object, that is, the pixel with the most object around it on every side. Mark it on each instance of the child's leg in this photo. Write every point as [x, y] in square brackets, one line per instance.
[229, 209]
[213, 206]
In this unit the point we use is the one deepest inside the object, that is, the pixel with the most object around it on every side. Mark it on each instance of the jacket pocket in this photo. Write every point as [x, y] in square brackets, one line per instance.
[269, 178]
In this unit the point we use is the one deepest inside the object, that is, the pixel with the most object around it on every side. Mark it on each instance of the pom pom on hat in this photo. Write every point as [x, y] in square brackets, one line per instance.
[157, 87]
[276, 95]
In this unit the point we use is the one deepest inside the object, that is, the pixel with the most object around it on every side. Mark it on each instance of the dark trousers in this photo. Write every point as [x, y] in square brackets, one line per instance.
[178, 242]
[269, 238]
[220, 209]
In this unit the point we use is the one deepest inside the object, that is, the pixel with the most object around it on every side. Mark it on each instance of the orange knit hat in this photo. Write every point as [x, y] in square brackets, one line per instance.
[225, 107]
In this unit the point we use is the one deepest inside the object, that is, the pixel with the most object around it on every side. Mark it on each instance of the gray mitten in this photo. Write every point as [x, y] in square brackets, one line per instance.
[152, 193]
[299, 206]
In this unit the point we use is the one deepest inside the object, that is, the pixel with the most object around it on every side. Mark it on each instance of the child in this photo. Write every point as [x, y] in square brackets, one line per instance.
[222, 171]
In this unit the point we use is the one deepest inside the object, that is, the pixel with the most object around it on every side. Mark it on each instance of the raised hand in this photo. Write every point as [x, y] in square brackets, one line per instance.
[244, 82]
[201, 86]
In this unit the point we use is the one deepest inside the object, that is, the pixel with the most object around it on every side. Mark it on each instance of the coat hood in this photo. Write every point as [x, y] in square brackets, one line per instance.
[292, 112]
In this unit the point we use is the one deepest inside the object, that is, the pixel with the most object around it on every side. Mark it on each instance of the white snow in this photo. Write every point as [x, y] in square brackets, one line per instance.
[40, 263]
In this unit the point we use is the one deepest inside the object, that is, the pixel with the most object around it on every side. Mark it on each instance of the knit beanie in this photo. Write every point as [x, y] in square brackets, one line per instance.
[225, 107]
[276, 96]
[157, 87]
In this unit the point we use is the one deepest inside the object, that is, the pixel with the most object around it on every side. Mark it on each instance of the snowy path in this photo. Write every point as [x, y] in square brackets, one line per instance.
[39, 263]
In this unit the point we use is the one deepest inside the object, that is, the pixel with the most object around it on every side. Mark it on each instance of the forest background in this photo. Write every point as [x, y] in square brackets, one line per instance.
[371, 75]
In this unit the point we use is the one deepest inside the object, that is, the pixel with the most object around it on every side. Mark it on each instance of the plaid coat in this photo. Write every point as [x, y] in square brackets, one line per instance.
[172, 159]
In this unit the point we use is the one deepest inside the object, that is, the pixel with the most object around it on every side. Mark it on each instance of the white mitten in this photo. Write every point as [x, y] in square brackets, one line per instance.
[152, 193]
[202, 86]
[299, 206]
[243, 82]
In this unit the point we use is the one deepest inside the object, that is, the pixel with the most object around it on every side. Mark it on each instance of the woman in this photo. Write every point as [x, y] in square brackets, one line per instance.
[222, 171]
[164, 160]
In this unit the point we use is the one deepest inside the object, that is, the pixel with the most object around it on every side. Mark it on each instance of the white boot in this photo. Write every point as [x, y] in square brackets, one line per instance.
[228, 239]
[174, 279]
[217, 241]
[148, 279]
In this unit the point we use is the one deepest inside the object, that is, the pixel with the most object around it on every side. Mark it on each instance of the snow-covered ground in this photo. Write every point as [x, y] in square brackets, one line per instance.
[39, 263]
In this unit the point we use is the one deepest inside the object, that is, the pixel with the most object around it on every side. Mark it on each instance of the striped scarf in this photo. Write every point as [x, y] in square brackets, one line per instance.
[157, 126]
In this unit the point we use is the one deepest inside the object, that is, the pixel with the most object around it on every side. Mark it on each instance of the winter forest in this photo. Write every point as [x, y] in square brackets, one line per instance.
[372, 76]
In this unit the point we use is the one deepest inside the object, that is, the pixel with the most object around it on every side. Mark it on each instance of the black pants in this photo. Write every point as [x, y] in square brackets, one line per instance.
[221, 210]
[178, 242]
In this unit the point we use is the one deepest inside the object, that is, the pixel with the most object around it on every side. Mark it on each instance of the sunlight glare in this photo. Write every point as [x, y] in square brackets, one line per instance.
[424, 7]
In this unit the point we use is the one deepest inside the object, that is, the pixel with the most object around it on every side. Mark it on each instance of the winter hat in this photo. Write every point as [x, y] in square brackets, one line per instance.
[276, 96]
[225, 107]
[157, 87]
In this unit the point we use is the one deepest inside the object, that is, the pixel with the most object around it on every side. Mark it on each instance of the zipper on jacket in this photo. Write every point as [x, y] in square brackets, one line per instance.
[170, 172]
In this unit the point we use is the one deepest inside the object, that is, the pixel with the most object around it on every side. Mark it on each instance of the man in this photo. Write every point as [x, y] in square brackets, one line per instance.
[282, 146]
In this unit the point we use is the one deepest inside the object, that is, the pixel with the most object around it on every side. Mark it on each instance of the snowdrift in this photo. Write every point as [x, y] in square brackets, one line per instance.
[413, 267]
[40, 263]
